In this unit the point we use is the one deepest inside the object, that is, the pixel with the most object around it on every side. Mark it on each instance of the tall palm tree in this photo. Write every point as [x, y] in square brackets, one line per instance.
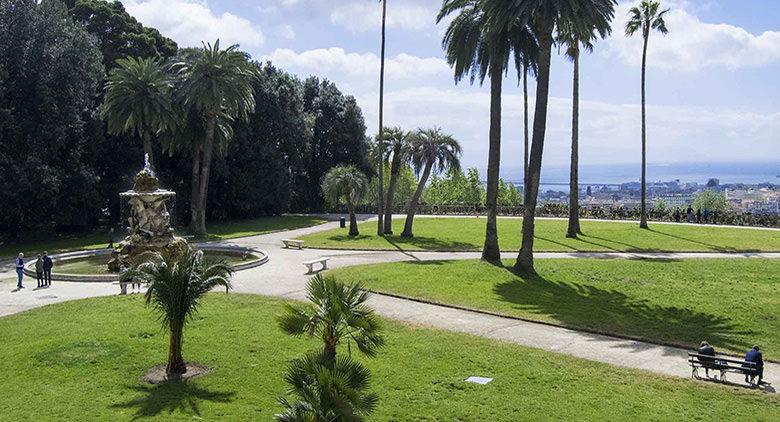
[398, 145]
[380, 196]
[337, 313]
[345, 185]
[430, 151]
[138, 100]
[176, 286]
[216, 84]
[326, 391]
[477, 45]
[542, 17]
[645, 17]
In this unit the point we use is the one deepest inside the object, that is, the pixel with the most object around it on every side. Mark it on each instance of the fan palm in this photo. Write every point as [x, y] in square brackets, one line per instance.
[478, 45]
[380, 137]
[430, 150]
[337, 313]
[345, 185]
[138, 100]
[327, 391]
[217, 84]
[542, 17]
[645, 17]
[177, 283]
[397, 145]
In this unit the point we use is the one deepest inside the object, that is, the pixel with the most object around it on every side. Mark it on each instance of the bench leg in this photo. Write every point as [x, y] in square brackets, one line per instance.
[309, 266]
[324, 265]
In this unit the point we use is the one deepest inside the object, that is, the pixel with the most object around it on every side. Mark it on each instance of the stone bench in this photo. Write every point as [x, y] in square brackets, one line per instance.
[123, 286]
[292, 242]
[310, 264]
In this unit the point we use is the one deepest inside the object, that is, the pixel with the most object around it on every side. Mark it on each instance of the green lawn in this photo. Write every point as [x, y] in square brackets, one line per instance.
[731, 303]
[34, 244]
[468, 234]
[99, 264]
[87, 364]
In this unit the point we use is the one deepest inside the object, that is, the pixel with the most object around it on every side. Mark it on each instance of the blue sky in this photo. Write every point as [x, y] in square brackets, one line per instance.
[713, 84]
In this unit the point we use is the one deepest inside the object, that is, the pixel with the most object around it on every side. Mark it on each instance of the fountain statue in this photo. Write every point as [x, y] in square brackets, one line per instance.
[149, 224]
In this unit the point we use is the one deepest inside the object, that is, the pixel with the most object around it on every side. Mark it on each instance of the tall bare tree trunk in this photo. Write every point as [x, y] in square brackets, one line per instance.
[526, 149]
[147, 136]
[574, 188]
[208, 150]
[353, 225]
[380, 197]
[415, 199]
[643, 209]
[176, 365]
[395, 170]
[195, 189]
[490, 251]
[525, 258]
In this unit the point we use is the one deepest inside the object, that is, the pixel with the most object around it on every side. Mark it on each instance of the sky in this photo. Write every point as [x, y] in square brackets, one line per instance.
[713, 83]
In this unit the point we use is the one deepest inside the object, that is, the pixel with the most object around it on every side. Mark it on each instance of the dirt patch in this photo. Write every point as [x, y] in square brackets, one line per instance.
[157, 374]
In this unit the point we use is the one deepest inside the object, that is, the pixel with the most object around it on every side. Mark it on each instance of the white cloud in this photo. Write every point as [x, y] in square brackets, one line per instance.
[363, 15]
[189, 22]
[692, 45]
[287, 32]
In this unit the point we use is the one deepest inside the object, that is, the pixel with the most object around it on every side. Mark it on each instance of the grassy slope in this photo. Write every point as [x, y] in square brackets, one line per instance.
[95, 240]
[731, 303]
[86, 367]
[468, 234]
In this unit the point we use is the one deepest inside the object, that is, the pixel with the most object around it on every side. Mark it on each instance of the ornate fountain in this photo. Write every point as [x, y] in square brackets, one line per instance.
[149, 224]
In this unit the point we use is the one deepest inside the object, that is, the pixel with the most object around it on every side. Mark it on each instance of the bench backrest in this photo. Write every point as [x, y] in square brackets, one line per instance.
[709, 358]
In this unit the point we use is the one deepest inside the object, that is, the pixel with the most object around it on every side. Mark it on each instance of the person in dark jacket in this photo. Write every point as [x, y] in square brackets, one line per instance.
[755, 355]
[20, 269]
[47, 265]
[698, 216]
[689, 214]
[706, 349]
[39, 271]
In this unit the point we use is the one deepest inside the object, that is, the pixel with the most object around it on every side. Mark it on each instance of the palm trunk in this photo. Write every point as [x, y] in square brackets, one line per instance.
[208, 150]
[195, 192]
[491, 252]
[526, 149]
[147, 136]
[176, 365]
[380, 197]
[525, 258]
[643, 206]
[574, 188]
[415, 199]
[395, 170]
[329, 352]
[353, 226]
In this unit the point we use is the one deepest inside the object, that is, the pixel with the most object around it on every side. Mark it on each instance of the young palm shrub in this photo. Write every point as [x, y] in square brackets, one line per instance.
[327, 391]
[337, 313]
[345, 185]
[176, 286]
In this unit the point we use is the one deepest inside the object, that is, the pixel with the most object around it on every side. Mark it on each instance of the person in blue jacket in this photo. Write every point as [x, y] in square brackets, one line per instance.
[754, 355]
[20, 269]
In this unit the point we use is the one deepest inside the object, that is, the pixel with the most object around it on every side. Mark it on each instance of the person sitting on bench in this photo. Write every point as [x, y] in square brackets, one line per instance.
[706, 349]
[754, 355]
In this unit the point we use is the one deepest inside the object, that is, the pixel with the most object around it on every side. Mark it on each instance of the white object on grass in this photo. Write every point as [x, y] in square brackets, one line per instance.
[479, 380]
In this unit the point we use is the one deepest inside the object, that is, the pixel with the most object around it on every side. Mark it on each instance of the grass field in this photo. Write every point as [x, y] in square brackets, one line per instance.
[87, 365]
[34, 244]
[731, 303]
[468, 234]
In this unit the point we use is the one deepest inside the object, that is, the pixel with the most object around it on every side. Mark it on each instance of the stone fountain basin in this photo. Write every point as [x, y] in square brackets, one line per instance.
[255, 258]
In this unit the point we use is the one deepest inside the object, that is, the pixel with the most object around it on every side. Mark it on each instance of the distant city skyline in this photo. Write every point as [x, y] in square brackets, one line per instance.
[712, 82]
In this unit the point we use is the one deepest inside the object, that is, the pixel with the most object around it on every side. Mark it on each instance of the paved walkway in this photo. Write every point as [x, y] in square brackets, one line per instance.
[284, 276]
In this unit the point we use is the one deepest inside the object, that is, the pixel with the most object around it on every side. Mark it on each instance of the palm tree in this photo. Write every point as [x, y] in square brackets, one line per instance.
[345, 185]
[476, 46]
[138, 100]
[542, 17]
[397, 145]
[430, 150]
[380, 196]
[327, 391]
[337, 313]
[177, 283]
[216, 84]
[645, 17]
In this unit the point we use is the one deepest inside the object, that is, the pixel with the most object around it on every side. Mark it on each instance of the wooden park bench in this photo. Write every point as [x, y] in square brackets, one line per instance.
[292, 242]
[310, 264]
[723, 365]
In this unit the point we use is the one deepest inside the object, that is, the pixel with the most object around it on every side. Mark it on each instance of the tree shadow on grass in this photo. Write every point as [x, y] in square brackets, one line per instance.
[714, 248]
[430, 244]
[613, 312]
[170, 397]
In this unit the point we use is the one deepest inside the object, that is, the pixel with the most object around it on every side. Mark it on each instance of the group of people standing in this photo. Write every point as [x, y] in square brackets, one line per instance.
[43, 266]
[698, 217]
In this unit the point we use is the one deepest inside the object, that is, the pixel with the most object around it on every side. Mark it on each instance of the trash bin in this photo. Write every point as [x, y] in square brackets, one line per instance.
[343, 222]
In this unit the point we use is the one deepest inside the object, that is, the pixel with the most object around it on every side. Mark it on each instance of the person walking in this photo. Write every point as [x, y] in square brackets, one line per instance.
[39, 271]
[706, 215]
[677, 215]
[20, 269]
[698, 216]
[754, 355]
[47, 266]
[689, 214]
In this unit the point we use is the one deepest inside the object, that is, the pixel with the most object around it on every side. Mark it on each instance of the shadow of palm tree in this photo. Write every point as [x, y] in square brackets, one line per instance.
[714, 248]
[169, 397]
[611, 312]
[430, 243]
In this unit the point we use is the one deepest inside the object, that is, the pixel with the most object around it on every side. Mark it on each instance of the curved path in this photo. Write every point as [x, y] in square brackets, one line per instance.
[284, 276]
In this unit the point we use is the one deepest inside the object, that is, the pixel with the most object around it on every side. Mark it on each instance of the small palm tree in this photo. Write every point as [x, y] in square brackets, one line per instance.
[645, 17]
[430, 150]
[337, 313]
[138, 100]
[345, 185]
[397, 142]
[327, 391]
[176, 286]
